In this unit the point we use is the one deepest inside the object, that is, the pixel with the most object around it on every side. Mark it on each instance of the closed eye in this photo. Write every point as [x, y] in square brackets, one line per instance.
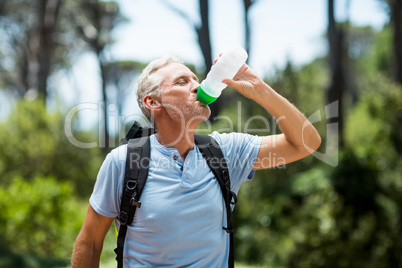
[181, 82]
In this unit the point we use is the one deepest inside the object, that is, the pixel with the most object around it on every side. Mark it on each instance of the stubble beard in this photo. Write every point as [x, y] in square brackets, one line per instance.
[188, 114]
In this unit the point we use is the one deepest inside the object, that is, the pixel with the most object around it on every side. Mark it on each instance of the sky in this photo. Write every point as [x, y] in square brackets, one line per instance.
[281, 30]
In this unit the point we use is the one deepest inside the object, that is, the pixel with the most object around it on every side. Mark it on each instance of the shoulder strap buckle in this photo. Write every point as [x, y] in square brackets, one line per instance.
[229, 230]
[233, 198]
[134, 201]
[123, 217]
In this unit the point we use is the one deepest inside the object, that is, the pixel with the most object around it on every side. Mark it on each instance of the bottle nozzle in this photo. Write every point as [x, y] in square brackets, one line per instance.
[204, 97]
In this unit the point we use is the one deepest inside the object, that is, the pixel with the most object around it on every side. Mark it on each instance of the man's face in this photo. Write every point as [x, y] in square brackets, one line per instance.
[179, 94]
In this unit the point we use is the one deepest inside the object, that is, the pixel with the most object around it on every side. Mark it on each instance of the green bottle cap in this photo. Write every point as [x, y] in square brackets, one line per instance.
[204, 97]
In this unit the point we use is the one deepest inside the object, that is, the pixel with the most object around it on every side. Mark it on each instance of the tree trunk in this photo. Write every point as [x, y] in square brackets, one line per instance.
[106, 136]
[48, 15]
[337, 85]
[247, 30]
[204, 42]
[99, 48]
[204, 36]
[396, 21]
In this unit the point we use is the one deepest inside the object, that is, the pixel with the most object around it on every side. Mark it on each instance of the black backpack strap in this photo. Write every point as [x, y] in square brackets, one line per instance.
[137, 131]
[216, 161]
[137, 164]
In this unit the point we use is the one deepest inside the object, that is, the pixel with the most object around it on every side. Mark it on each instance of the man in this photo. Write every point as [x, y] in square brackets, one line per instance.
[182, 213]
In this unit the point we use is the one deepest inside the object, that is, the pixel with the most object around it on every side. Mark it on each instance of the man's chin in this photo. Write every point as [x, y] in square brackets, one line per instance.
[203, 115]
[207, 113]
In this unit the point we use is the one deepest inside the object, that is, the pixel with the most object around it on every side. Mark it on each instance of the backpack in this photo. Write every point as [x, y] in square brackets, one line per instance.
[136, 172]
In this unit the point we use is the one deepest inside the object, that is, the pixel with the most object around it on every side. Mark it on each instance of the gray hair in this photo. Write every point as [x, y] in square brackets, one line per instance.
[148, 82]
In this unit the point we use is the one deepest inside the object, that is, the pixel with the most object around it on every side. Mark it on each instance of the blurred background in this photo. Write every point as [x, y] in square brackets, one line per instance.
[67, 72]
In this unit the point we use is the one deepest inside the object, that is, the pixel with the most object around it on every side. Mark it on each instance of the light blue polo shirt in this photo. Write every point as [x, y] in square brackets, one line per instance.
[182, 213]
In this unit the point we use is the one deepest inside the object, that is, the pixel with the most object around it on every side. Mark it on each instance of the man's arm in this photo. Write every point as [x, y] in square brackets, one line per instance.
[299, 138]
[89, 243]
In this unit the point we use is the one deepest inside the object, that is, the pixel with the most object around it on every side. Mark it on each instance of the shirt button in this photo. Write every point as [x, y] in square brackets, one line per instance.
[175, 157]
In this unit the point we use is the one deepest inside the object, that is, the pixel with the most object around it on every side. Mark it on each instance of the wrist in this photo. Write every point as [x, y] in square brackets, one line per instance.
[265, 94]
[271, 101]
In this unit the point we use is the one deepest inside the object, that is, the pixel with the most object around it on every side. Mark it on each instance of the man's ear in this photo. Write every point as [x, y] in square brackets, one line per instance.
[152, 103]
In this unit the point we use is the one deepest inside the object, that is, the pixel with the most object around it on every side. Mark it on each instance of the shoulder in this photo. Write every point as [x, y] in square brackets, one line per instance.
[119, 153]
[117, 157]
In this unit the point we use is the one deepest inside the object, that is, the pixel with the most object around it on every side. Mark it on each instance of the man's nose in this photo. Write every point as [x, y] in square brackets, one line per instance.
[194, 87]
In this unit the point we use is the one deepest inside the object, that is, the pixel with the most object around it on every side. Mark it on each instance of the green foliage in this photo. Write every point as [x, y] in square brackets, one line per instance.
[39, 218]
[309, 214]
[372, 128]
[33, 143]
[42, 177]
[381, 53]
[302, 85]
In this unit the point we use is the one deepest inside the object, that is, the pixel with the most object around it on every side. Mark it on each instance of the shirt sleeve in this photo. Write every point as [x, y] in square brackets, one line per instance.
[241, 151]
[106, 196]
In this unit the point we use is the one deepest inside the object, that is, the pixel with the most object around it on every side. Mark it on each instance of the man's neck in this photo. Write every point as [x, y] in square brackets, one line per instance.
[178, 137]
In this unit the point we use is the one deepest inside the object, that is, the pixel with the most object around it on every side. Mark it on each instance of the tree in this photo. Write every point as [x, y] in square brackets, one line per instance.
[33, 47]
[94, 24]
[120, 76]
[41, 218]
[336, 55]
[395, 9]
[203, 37]
[202, 30]
[247, 29]
[49, 11]
[203, 34]
[396, 22]
[33, 143]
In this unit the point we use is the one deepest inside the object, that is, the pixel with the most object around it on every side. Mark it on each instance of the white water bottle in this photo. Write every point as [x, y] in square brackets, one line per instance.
[227, 66]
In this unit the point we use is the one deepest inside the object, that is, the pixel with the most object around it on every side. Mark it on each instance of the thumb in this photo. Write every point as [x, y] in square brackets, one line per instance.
[231, 83]
[239, 86]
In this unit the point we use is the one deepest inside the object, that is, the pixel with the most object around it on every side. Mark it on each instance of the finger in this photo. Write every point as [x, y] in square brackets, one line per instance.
[230, 83]
[216, 59]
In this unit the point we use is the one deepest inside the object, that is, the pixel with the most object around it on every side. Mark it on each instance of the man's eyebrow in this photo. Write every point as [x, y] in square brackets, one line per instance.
[194, 77]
